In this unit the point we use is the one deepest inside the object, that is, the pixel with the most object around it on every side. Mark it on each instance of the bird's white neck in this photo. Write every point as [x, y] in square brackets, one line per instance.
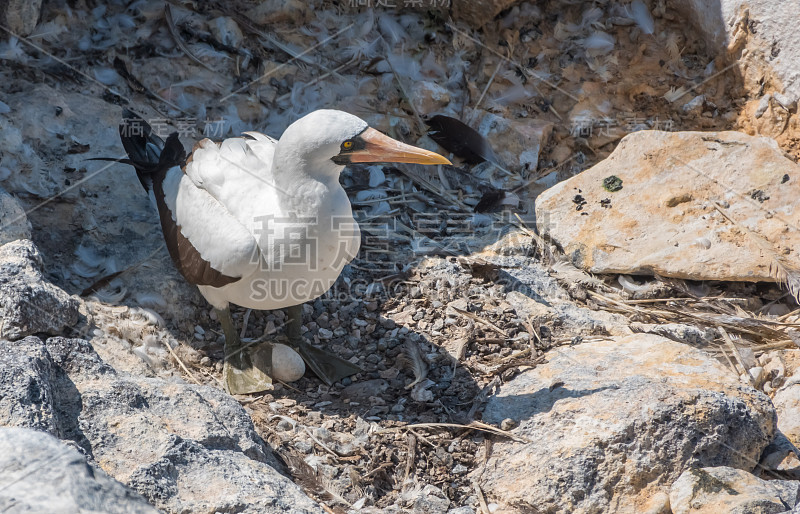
[304, 185]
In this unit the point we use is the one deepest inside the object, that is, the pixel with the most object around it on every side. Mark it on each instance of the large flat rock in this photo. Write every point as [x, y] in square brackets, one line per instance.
[664, 219]
[613, 424]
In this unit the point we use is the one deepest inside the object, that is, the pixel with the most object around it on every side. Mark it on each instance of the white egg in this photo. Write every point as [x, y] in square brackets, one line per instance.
[287, 365]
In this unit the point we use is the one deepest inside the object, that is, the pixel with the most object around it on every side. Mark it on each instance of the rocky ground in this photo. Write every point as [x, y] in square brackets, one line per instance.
[499, 374]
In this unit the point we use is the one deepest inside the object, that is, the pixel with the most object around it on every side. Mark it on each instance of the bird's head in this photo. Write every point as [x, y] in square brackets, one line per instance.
[327, 140]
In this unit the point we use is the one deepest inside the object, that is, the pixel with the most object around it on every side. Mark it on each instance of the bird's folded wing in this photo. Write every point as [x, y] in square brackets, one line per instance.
[209, 245]
[231, 167]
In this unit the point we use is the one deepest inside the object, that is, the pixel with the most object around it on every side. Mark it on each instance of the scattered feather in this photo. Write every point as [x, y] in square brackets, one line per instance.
[362, 49]
[672, 45]
[413, 359]
[673, 95]
[151, 300]
[405, 66]
[50, 30]
[380, 208]
[513, 95]
[376, 175]
[12, 50]
[421, 392]
[591, 18]
[600, 68]
[494, 200]
[370, 194]
[568, 273]
[457, 137]
[107, 76]
[205, 51]
[149, 316]
[310, 480]
[599, 43]
[641, 15]
[630, 286]
[392, 31]
[110, 295]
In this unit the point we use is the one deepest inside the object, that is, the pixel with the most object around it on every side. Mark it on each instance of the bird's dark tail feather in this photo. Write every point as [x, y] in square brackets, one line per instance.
[150, 155]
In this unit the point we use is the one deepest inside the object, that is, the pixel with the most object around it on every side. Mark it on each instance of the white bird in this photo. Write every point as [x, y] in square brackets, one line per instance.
[261, 223]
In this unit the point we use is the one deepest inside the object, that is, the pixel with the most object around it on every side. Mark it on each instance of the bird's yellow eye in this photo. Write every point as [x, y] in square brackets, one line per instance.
[347, 145]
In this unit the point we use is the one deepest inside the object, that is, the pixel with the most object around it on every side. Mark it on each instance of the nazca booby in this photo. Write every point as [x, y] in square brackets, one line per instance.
[261, 223]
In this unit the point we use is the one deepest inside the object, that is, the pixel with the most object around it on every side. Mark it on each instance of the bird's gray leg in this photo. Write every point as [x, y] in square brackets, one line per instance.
[244, 370]
[325, 365]
[295, 323]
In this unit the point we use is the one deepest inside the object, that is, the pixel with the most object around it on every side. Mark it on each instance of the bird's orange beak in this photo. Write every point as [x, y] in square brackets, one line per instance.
[381, 148]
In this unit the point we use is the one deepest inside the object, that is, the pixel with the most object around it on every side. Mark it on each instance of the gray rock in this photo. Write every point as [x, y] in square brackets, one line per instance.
[29, 304]
[362, 390]
[185, 448]
[38, 473]
[787, 403]
[430, 500]
[20, 16]
[27, 376]
[13, 221]
[730, 490]
[614, 423]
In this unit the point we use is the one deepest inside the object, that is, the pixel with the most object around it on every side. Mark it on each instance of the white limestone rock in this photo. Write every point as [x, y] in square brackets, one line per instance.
[665, 218]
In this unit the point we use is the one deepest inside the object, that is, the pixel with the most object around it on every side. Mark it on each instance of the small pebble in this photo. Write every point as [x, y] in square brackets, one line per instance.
[303, 446]
[284, 426]
[508, 424]
[459, 469]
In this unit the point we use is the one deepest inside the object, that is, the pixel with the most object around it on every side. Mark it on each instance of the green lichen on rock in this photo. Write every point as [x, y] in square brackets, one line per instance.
[612, 184]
